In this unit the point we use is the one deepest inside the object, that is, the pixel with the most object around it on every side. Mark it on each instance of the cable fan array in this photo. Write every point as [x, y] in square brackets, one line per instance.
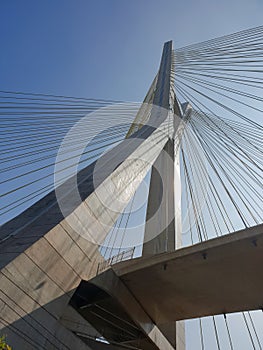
[221, 156]
[222, 145]
[222, 173]
[32, 129]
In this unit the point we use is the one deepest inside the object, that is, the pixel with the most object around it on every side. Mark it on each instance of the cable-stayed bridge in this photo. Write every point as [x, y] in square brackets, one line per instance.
[123, 220]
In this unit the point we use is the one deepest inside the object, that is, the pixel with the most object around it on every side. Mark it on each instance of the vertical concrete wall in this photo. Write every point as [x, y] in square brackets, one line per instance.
[159, 234]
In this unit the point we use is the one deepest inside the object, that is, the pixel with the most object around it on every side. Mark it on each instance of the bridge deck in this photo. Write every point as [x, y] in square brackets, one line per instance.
[218, 276]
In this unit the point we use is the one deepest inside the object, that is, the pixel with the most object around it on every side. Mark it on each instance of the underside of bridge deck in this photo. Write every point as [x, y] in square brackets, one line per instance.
[221, 275]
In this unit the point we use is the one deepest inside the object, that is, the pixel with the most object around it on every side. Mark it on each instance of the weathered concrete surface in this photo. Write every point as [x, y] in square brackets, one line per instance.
[44, 258]
[218, 276]
[38, 329]
[37, 285]
[159, 234]
[46, 251]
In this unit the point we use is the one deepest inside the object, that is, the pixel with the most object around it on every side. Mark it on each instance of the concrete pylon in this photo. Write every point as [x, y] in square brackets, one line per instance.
[53, 246]
[163, 218]
[161, 225]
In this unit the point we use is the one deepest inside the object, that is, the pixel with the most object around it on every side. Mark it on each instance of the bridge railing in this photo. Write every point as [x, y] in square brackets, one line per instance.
[124, 255]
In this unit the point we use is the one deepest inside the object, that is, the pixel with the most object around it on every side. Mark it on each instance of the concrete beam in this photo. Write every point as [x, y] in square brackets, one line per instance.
[113, 285]
[218, 276]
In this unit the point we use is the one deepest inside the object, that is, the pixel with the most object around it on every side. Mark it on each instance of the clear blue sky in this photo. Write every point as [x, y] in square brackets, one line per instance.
[105, 48]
